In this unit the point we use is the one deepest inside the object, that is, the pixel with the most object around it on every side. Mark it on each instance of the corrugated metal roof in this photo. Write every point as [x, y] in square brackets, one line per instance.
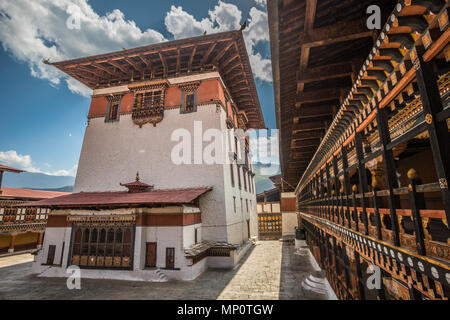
[122, 198]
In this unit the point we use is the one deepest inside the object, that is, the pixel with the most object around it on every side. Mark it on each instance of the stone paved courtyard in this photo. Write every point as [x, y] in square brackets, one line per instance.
[270, 270]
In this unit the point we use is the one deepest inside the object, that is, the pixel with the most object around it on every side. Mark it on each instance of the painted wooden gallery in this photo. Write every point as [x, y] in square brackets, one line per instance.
[364, 121]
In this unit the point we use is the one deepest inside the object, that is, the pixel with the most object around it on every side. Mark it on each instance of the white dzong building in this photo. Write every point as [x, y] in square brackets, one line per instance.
[170, 220]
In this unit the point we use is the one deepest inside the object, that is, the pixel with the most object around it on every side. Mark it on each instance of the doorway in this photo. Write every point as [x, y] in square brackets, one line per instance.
[150, 260]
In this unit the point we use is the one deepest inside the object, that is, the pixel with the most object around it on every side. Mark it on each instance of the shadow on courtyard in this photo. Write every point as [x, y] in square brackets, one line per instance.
[298, 276]
[17, 282]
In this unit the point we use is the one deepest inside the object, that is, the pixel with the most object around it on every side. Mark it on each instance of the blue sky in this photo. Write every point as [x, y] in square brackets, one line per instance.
[43, 113]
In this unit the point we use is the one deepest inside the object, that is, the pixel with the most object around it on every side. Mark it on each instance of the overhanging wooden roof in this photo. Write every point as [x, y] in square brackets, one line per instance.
[317, 47]
[10, 169]
[224, 52]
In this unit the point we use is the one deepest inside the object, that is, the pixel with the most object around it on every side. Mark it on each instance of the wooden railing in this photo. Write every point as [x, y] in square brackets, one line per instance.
[17, 216]
[352, 184]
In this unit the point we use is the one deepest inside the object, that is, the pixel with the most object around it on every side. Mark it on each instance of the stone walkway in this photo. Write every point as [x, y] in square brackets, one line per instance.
[270, 270]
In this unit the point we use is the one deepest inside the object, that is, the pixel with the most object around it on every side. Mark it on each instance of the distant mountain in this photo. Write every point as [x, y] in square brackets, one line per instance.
[42, 181]
[262, 174]
[33, 180]
[62, 189]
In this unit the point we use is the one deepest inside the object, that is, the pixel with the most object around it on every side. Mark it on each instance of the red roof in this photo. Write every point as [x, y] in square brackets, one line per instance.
[30, 193]
[178, 196]
[10, 169]
[136, 186]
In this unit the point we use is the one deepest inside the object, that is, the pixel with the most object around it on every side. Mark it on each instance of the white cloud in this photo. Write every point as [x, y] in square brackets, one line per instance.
[257, 32]
[24, 162]
[262, 3]
[12, 158]
[31, 31]
[262, 68]
[225, 17]
[35, 30]
[183, 25]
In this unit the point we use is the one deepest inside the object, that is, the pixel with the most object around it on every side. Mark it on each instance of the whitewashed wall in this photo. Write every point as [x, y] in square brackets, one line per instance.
[113, 152]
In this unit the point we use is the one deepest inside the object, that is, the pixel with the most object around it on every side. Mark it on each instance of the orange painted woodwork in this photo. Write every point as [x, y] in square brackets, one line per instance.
[210, 90]
[127, 102]
[169, 219]
[98, 106]
[172, 96]
[58, 221]
[288, 204]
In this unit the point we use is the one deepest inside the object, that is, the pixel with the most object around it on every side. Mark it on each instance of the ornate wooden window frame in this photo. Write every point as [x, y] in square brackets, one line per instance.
[188, 88]
[100, 261]
[153, 114]
[112, 99]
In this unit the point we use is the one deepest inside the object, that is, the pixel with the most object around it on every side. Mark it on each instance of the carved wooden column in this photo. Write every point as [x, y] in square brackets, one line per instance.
[437, 129]
[389, 171]
[40, 240]
[417, 202]
[12, 242]
[362, 179]
[346, 184]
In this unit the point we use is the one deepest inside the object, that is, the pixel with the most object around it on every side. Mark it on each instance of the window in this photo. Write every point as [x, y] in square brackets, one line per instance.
[196, 235]
[113, 108]
[62, 253]
[244, 175]
[102, 246]
[114, 111]
[151, 99]
[150, 257]
[246, 203]
[188, 101]
[242, 206]
[51, 254]
[239, 176]
[234, 203]
[232, 174]
[170, 258]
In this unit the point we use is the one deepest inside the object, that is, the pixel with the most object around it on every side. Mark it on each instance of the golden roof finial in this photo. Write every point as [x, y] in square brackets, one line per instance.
[412, 174]
[354, 188]
[137, 176]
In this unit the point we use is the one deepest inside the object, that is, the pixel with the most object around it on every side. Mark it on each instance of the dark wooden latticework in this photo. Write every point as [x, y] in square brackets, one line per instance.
[360, 198]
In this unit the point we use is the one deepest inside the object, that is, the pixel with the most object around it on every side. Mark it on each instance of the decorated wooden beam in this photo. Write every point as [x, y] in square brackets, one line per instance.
[191, 58]
[339, 32]
[208, 53]
[318, 96]
[333, 71]
[309, 126]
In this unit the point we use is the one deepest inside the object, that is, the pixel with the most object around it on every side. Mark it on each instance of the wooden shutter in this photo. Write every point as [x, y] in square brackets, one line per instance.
[195, 100]
[118, 109]
[108, 109]
[182, 102]
[170, 258]
[51, 254]
[151, 254]
[232, 174]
